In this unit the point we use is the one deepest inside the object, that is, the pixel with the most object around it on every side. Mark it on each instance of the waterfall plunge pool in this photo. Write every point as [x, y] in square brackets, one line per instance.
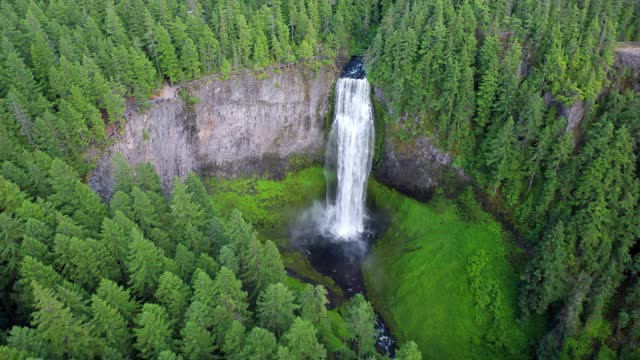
[343, 260]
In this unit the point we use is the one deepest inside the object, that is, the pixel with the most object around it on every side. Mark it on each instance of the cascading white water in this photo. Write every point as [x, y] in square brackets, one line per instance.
[349, 157]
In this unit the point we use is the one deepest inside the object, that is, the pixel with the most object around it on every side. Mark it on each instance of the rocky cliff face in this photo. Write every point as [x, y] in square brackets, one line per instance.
[628, 56]
[416, 167]
[243, 126]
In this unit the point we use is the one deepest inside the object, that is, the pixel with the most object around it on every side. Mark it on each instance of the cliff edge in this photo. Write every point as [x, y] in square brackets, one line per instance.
[247, 125]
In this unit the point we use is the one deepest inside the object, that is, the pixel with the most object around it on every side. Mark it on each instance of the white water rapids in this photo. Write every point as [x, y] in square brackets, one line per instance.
[348, 159]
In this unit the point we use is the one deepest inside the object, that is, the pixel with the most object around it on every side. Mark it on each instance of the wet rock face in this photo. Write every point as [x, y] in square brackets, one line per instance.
[416, 167]
[247, 125]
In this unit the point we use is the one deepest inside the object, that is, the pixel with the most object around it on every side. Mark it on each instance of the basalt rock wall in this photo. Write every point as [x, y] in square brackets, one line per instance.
[251, 124]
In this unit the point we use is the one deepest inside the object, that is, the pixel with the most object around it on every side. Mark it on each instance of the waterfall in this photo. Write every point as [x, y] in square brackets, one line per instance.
[348, 159]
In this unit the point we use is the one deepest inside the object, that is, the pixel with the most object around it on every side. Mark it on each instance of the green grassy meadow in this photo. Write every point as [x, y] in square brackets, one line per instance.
[269, 205]
[417, 277]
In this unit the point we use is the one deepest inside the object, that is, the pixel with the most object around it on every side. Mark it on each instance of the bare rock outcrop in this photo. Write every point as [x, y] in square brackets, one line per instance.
[416, 167]
[249, 124]
[628, 56]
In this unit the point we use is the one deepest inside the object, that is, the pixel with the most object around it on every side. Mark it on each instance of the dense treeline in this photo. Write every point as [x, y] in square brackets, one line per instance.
[146, 277]
[495, 82]
[66, 66]
[150, 274]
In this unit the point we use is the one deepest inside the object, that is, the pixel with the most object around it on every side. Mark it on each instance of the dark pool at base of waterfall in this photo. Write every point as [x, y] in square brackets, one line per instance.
[342, 261]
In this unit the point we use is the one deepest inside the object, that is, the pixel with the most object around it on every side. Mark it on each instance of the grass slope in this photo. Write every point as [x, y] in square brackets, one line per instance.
[269, 204]
[418, 278]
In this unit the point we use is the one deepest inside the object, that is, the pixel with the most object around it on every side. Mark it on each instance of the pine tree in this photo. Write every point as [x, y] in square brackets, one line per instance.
[233, 339]
[64, 334]
[167, 57]
[544, 278]
[201, 314]
[10, 237]
[153, 331]
[261, 56]
[259, 344]
[145, 264]
[240, 234]
[186, 262]
[149, 181]
[71, 131]
[305, 50]
[225, 68]
[263, 266]
[271, 267]
[114, 27]
[214, 233]
[121, 203]
[229, 259]
[86, 261]
[42, 58]
[73, 198]
[204, 289]
[361, 321]
[118, 298]
[276, 308]
[36, 249]
[196, 342]
[92, 118]
[313, 305]
[206, 42]
[208, 264]
[22, 343]
[488, 88]
[190, 60]
[143, 211]
[68, 227]
[243, 44]
[115, 234]
[151, 40]
[67, 74]
[188, 219]
[34, 270]
[302, 343]
[11, 198]
[555, 68]
[105, 95]
[229, 296]
[502, 155]
[509, 82]
[174, 295]
[110, 328]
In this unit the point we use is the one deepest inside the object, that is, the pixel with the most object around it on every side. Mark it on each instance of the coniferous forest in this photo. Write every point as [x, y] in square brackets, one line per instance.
[165, 273]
